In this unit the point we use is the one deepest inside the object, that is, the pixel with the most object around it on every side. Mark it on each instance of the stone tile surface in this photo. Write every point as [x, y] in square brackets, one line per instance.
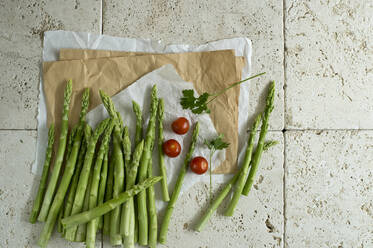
[22, 26]
[257, 221]
[17, 190]
[329, 189]
[195, 22]
[329, 64]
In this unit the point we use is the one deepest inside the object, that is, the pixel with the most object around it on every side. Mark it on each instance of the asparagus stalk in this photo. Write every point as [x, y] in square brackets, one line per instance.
[153, 222]
[74, 180]
[48, 197]
[245, 167]
[146, 156]
[137, 110]
[81, 231]
[84, 176]
[108, 206]
[162, 167]
[109, 195]
[261, 142]
[179, 182]
[115, 237]
[131, 180]
[126, 214]
[129, 213]
[43, 180]
[102, 187]
[70, 141]
[93, 196]
[59, 225]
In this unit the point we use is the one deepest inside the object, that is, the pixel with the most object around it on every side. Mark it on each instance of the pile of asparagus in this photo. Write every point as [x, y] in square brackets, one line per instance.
[102, 174]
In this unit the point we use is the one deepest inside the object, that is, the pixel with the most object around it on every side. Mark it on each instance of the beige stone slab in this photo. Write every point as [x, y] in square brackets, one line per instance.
[329, 189]
[329, 64]
[22, 26]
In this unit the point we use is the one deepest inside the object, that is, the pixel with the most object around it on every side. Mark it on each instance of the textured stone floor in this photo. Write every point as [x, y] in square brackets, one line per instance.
[314, 189]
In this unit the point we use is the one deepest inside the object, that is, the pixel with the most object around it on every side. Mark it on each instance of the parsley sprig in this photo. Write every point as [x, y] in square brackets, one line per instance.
[198, 105]
[214, 145]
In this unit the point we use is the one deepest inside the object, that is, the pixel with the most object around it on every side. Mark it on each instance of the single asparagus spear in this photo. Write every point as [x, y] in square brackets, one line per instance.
[220, 197]
[263, 132]
[74, 180]
[84, 175]
[129, 213]
[43, 180]
[126, 143]
[137, 110]
[153, 222]
[70, 141]
[146, 156]
[93, 196]
[109, 195]
[115, 237]
[48, 197]
[131, 180]
[138, 138]
[245, 167]
[102, 187]
[162, 167]
[59, 225]
[81, 231]
[98, 211]
[179, 182]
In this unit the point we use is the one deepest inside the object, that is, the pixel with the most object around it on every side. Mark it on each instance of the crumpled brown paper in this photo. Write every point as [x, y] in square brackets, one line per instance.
[209, 71]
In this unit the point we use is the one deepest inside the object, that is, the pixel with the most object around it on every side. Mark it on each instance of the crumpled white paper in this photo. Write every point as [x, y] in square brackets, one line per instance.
[55, 40]
[170, 86]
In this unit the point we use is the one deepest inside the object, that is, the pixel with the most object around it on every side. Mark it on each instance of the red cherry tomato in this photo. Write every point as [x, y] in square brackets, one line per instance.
[180, 125]
[171, 148]
[199, 165]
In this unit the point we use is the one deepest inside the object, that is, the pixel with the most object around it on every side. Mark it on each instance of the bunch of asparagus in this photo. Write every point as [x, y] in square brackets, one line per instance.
[101, 177]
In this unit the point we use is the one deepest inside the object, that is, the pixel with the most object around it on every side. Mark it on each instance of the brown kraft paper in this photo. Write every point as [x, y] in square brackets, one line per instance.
[209, 71]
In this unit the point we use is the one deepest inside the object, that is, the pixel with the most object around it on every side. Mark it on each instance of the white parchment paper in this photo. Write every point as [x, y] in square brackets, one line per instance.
[55, 40]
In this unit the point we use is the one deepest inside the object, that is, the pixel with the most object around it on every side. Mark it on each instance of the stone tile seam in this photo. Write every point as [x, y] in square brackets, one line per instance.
[284, 130]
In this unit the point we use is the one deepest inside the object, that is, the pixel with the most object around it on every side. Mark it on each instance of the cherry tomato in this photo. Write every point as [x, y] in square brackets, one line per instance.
[180, 125]
[171, 148]
[199, 165]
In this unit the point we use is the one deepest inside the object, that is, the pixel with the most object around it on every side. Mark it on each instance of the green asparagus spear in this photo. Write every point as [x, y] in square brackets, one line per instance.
[66, 178]
[84, 175]
[179, 182]
[109, 195]
[74, 180]
[59, 225]
[162, 167]
[220, 197]
[81, 231]
[43, 180]
[70, 141]
[126, 142]
[115, 237]
[263, 132]
[48, 197]
[153, 222]
[102, 187]
[146, 156]
[137, 110]
[93, 196]
[245, 167]
[129, 213]
[98, 211]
